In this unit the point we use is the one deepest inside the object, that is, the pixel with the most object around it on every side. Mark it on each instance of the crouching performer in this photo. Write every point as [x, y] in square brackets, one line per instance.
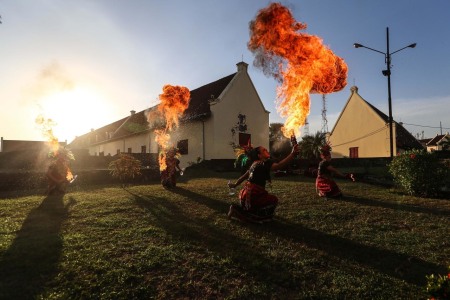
[256, 204]
[325, 185]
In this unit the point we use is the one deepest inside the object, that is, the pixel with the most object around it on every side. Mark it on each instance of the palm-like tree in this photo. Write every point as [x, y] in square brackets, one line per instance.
[310, 145]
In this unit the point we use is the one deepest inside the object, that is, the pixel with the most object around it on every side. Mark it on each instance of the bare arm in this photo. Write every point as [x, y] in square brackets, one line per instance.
[240, 180]
[286, 160]
[336, 171]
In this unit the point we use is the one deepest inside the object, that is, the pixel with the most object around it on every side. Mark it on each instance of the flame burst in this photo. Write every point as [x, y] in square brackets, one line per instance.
[300, 62]
[46, 126]
[173, 102]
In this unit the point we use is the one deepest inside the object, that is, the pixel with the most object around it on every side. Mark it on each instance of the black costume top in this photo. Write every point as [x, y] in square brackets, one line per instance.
[323, 168]
[260, 172]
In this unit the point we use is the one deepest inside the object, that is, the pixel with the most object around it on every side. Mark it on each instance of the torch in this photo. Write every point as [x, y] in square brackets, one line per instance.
[293, 140]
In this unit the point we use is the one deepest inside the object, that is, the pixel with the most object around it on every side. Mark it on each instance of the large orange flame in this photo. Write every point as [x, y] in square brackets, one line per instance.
[299, 61]
[173, 102]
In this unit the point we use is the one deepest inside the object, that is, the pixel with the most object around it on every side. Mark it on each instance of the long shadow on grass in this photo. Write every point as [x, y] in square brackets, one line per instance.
[401, 266]
[201, 199]
[396, 206]
[32, 259]
[178, 223]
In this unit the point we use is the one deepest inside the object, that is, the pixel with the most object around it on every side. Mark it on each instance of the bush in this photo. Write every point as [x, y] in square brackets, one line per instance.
[126, 167]
[419, 173]
[438, 287]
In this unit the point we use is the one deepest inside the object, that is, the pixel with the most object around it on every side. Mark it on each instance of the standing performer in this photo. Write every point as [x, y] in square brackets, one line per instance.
[325, 185]
[58, 173]
[256, 204]
[169, 175]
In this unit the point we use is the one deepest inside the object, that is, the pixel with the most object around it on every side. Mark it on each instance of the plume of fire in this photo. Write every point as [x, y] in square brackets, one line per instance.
[173, 102]
[46, 126]
[298, 61]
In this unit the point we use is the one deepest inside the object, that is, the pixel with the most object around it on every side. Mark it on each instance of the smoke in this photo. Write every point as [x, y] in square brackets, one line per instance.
[51, 79]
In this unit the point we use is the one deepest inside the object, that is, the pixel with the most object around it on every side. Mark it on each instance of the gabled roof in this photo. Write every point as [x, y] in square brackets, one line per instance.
[137, 122]
[404, 138]
[436, 140]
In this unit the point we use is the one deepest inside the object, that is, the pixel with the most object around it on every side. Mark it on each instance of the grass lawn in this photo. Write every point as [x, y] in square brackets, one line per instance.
[145, 242]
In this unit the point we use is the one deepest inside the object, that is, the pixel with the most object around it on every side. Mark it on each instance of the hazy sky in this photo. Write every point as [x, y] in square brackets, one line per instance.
[87, 63]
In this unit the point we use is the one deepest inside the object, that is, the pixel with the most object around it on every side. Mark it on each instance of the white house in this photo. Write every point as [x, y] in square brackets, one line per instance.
[220, 113]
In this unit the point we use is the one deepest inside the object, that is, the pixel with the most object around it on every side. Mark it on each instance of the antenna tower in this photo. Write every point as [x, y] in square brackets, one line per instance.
[324, 114]
[306, 128]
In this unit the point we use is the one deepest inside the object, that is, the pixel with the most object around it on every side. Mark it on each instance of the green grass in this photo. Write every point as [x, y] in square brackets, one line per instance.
[145, 242]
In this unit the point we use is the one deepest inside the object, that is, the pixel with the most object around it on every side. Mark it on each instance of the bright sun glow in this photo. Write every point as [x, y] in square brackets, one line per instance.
[75, 112]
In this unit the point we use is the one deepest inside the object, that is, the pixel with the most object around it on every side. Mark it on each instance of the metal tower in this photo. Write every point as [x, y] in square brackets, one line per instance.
[306, 128]
[324, 114]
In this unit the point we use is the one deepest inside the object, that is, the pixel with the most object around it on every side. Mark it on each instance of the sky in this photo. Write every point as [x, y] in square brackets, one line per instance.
[83, 64]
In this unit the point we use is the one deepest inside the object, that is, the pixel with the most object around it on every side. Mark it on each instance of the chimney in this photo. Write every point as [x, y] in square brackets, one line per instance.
[242, 66]
[132, 112]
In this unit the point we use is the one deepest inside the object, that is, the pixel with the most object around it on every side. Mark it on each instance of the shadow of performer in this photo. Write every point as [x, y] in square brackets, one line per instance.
[32, 259]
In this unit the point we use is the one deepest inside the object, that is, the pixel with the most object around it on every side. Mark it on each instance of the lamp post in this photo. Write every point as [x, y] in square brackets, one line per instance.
[387, 58]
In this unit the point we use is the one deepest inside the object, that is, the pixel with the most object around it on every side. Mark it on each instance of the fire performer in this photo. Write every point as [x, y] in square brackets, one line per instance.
[325, 185]
[58, 173]
[169, 174]
[256, 204]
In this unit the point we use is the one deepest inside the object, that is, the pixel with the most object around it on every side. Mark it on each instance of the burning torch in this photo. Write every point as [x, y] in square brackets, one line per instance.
[293, 140]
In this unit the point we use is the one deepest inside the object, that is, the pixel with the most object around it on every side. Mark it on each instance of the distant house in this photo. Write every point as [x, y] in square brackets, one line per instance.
[362, 130]
[437, 143]
[220, 113]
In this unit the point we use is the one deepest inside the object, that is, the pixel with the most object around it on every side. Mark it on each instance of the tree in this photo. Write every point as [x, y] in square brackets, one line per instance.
[310, 145]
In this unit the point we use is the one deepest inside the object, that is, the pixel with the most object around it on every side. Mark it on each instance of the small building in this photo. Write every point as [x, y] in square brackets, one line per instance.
[222, 113]
[362, 131]
[438, 142]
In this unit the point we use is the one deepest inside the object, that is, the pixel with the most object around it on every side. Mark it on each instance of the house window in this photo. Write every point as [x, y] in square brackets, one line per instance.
[143, 149]
[353, 152]
[118, 151]
[129, 150]
[183, 147]
[244, 139]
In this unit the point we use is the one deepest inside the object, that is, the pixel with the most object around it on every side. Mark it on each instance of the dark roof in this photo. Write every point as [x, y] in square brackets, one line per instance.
[200, 97]
[434, 141]
[404, 139]
[137, 122]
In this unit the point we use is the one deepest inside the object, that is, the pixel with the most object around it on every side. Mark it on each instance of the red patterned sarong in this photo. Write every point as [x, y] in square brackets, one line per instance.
[327, 187]
[254, 198]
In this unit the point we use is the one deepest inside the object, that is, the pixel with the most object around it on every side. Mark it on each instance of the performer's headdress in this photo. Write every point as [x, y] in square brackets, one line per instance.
[61, 153]
[325, 149]
[245, 154]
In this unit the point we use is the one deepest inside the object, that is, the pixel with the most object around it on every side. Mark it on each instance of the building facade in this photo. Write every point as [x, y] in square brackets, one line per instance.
[220, 114]
[362, 130]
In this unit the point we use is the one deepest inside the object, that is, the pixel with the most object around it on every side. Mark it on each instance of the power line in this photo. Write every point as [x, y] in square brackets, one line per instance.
[438, 127]
[362, 137]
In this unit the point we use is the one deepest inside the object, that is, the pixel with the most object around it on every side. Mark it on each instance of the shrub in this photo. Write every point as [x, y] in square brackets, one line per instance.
[124, 168]
[419, 173]
[438, 287]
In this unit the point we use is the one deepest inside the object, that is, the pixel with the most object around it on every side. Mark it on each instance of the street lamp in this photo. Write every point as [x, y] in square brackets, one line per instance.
[387, 58]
